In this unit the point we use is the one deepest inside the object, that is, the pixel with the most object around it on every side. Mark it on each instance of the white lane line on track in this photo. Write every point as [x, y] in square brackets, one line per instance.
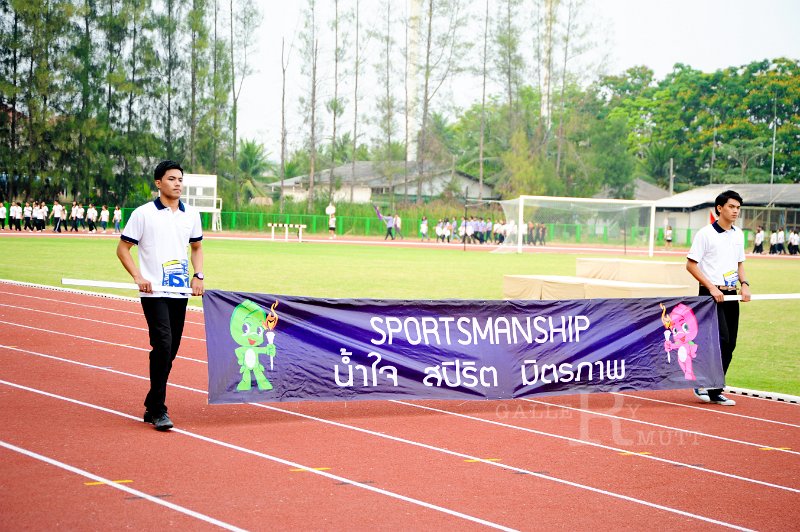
[83, 305]
[706, 409]
[65, 302]
[599, 446]
[259, 454]
[440, 449]
[110, 323]
[93, 320]
[121, 487]
[39, 329]
[668, 427]
[497, 423]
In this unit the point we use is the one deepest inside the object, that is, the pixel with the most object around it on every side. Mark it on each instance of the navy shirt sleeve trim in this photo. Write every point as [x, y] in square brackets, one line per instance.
[129, 239]
[198, 239]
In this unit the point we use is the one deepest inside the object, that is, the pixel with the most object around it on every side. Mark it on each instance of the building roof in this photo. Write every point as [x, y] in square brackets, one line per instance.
[373, 174]
[760, 195]
[643, 191]
[362, 173]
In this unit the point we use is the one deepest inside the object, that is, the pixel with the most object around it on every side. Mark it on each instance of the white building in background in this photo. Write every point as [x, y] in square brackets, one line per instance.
[770, 206]
[370, 179]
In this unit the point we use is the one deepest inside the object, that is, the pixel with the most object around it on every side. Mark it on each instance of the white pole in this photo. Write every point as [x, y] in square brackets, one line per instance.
[519, 225]
[774, 134]
[122, 286]
[651, 246]
[764, 297]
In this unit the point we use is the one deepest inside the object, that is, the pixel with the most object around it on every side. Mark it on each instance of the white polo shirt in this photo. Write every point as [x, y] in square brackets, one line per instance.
[718, 253]
[163, 237]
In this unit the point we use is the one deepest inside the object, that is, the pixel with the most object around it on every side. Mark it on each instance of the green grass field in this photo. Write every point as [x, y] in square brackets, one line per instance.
[767, 356]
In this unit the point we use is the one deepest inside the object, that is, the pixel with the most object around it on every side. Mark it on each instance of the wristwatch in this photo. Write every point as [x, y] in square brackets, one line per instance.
[744, 282]
[199, 275]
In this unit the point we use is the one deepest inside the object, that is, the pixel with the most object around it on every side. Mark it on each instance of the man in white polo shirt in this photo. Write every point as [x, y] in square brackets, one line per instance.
[716, 260]
[163, 229]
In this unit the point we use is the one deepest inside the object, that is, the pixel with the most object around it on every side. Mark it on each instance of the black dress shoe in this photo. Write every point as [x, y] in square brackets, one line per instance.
[162, 422]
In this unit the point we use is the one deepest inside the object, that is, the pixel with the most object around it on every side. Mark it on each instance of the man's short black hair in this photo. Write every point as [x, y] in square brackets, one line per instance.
[163, 166]
[723, 198]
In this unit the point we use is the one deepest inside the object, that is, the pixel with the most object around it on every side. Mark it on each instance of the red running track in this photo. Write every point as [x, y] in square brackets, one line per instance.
[74, 452]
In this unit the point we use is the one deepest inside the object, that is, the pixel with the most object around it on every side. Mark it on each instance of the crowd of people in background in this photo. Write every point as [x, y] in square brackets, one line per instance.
[35, 216]
[475, 230]
[779, 242]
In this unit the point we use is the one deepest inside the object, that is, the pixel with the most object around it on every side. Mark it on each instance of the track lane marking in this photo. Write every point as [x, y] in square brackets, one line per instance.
[379, 490]
[707, 409]
[651, 424]
[39, 329]
[111, 323]
[81, 305]
[121, 487]
[447, 412]
[283, 461]
[433, 448]
[597, 445]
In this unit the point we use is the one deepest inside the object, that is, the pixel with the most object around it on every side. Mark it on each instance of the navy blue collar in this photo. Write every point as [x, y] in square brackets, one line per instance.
[718, 228]
[160, 205]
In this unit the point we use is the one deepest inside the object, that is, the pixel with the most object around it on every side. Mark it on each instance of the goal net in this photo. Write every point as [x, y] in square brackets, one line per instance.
[544, 220]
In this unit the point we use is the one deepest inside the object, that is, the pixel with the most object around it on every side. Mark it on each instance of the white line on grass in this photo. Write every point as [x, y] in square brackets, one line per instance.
[650, 424]
[115, 485]
[455, 453]
[259, 454]
[705, 409]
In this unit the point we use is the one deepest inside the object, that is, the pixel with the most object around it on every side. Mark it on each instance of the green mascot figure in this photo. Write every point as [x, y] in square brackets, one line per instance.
[249, 323]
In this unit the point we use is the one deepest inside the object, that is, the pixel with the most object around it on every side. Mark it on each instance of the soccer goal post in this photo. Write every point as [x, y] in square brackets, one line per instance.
[542, 220]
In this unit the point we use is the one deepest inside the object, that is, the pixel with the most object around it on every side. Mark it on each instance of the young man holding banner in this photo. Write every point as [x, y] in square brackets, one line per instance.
[163, 229]
[716, 260]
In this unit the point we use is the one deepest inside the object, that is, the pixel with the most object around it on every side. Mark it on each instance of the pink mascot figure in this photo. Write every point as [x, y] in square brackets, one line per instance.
[681, 324]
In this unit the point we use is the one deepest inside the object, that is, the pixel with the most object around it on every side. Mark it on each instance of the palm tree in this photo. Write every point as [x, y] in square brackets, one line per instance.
[656, 161]
[253, 164]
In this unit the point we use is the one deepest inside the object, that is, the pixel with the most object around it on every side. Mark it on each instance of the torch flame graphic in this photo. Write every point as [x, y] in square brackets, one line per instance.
[272, 317]
[664, 318]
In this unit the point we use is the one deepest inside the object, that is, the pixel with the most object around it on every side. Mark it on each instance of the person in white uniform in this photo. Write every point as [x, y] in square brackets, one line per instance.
[163, 229]
[716, 260]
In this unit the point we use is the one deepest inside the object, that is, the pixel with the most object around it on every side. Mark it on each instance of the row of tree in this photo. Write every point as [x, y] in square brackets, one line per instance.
[93, 91]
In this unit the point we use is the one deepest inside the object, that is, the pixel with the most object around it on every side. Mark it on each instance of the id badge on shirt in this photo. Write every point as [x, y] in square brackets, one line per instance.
[730, 278]
[175, 273]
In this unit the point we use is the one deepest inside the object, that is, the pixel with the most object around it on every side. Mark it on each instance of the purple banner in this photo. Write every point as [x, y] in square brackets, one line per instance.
[287, 348]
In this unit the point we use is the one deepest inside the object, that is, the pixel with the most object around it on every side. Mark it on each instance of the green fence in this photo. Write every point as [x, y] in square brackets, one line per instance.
[357, 226]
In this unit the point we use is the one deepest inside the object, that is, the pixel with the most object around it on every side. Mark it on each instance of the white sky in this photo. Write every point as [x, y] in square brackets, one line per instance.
[704, 34]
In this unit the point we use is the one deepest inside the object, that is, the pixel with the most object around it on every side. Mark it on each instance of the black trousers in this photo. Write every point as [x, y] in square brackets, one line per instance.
[728, 320]
[165, 318]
